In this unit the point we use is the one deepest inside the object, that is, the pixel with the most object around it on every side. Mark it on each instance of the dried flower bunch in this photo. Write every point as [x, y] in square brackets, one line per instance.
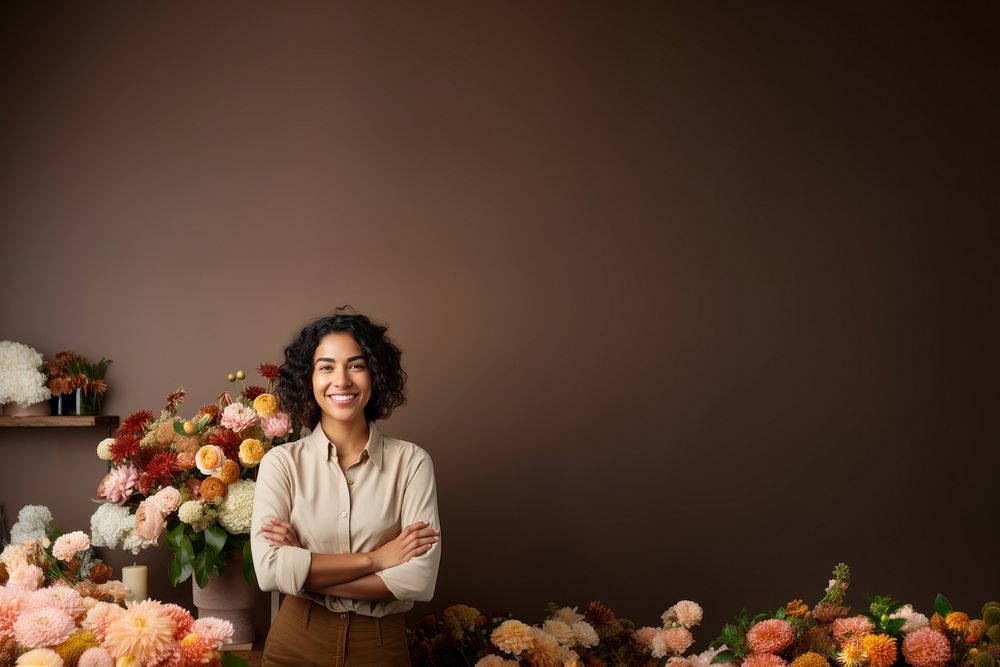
[58, 607]
[21, 378]
[70, 371]
[190, 480]
[889, 633]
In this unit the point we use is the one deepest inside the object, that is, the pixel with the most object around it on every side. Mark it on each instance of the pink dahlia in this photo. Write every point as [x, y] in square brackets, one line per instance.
[845, 629]
[26, 579]
[172, 657]
[37, 628]
[99, 617]
[63, 598]
[215, 630]
[195, 649]
[96, 657]
[119, 484]
[69, 545]
[762, 660]
[143, 630]
[926, 648]
[237, 417]
[277, 426]
[770, 636]
[672, 641]
[40, 657]
[645, 636]
[12, 603]
[182, 619]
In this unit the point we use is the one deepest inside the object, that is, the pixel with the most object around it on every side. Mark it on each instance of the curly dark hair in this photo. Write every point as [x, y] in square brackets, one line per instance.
[294, 388]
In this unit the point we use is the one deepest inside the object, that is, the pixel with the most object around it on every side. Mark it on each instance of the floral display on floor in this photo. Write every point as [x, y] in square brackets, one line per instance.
[190, 481]
[59, 606]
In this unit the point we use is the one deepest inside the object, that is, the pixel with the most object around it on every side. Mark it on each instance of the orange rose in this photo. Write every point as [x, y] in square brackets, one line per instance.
[230, 471]
[265, 405]
[209, 459]
[251, 452]
[212, 489]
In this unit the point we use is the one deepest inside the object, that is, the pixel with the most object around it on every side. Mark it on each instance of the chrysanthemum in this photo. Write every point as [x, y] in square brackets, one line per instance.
[585, 634]
[162, 468]
[182, 619]
[96, 657]
[810, 659]
[926, 648]
[124, 448]
[175, 398]
[852, 653]
[26, 579]
[599, 615]
[512, 637]
[46, 626]
[99, 617]
[63, 598]
[459, 619]
[269, 372]
[143, 630]
[216, 631]
[40, 657]
[880, 649]
[688, 613]
[493, 660]
[238, 417]
[846, 629]
[135, 424]
[226, 440]
[69, 545]
[644, 636]
[828, 612]
[253, 391]
[195, 649]
[544, 649]
[567, 615]
[120, 483]
[762, 660]
[957, 621]
[770, 636]
[672, 641]
[12, 603]
[236, 510]
[562, 632]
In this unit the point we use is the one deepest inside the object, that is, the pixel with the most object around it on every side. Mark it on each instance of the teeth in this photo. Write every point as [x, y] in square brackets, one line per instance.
[342, 399]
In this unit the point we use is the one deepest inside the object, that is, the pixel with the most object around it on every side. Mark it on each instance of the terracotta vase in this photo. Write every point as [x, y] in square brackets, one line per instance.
[40, 409]
[230, 597]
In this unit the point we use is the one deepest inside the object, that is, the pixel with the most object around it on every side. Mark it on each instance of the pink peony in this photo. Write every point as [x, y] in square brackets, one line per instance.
[26, 579]
[763, 660]
[149, 520]
[119, 484]
[40, 657]
[215, 630]
[43, 627]
[672, 641]
[69, 545]
[96, 657]
[237, 417]
[770, 636]
[277, 426]
[926, 648]
[645, 636]
[845, 629]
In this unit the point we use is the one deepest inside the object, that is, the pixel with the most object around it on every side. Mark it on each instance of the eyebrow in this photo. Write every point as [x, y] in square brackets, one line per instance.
[349, 359]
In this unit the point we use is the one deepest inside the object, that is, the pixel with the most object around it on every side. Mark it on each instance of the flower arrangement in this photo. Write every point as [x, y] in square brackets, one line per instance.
[58, 607]
[21, 378]
[70, 371]
[190, 481]
[888, 633]
[565, 638]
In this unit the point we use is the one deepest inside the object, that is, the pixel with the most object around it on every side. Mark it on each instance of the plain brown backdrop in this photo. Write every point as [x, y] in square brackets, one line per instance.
[697, 299]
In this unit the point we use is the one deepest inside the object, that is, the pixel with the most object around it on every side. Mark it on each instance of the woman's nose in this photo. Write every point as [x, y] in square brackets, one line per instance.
[341, 378]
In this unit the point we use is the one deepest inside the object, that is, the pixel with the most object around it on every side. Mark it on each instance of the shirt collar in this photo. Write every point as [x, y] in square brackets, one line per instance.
[321, 444]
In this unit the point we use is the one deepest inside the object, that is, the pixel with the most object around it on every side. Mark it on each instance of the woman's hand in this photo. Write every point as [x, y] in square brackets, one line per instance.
[414, 540]
[280, 533]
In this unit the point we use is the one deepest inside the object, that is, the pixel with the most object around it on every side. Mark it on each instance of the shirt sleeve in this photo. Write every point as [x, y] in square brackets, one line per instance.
[278, 568]
[416, 578]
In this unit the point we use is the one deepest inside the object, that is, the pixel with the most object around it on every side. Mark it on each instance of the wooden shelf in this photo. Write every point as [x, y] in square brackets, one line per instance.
[106, 421]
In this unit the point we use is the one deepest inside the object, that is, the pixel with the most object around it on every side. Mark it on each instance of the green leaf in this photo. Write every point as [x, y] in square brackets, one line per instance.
[780, 614]
[174, 571]
[202, 567]
[894, 625]
[724, 656]
[203, 422]
[185, 554]
[179, 429]
[942, 606]
[230, 660]
[215, 538]
[174, 536]
[248, 570]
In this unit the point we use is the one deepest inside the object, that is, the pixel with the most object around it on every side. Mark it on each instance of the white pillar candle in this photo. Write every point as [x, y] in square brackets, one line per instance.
[134, 576]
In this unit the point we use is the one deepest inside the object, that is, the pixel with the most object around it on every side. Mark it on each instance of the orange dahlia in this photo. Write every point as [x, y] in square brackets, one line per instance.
[770, 636]
[810, 659]
[926, 647]
[212, 488]
[881, 649]
[852, 654]
[957, 621]
[230, 471]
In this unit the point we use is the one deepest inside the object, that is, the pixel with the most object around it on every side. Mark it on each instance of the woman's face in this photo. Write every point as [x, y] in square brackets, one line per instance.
[342, 383]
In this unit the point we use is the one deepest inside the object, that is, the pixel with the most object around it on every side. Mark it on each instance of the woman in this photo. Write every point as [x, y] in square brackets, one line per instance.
[345, 520]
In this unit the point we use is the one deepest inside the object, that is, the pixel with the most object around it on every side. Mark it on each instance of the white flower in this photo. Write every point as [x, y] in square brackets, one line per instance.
[20, 379]
[32, 523]
[688, 613]
[561, 631]
[914, 619]
[193, 513]
[110, 525]
[236, 509]
[104, 449]
[585, 634]
[568, 615]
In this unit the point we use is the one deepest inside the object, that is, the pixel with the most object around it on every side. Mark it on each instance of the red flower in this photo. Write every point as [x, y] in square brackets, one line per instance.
[135, 424]
[227, 441]
[253, 391]
[162, 468]
[124, 448]
[269, 371]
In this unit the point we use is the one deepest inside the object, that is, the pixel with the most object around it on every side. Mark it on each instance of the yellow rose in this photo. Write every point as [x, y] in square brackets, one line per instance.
[265, 405]
[230, 471]
[251, 452]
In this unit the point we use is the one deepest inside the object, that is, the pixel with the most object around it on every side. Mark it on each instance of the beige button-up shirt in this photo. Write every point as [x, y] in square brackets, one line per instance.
[391, 486]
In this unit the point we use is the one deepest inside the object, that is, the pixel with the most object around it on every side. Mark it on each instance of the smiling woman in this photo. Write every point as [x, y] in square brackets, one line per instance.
[345, 520]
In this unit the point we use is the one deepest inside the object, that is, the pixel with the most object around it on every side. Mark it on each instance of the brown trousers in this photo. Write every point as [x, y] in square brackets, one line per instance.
[306, 634]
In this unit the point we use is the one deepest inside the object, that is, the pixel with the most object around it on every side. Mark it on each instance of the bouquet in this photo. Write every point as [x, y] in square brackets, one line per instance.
[69, 372]
[21, 378]
[190, 481]
[58, 607]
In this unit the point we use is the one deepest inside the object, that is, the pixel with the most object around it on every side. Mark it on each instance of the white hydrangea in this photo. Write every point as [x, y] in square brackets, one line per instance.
[235, 511]
[104, 449]
[20, 379]
[193, 513]
[110, 525]
[32, 523]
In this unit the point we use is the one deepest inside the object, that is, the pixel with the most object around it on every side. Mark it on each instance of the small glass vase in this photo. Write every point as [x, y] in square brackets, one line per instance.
[76, 402]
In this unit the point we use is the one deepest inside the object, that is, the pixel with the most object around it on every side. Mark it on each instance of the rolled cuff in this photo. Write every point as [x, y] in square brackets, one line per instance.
[287, 570]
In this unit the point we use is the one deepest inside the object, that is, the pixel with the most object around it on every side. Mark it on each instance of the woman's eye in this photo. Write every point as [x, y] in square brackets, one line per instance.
[359, 366]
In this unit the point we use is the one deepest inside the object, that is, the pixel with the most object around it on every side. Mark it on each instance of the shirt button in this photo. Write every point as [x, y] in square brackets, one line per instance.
[344, 514]
[350, 482]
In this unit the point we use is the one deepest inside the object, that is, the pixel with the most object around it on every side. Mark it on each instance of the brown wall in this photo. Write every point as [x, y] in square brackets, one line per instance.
[696, 299]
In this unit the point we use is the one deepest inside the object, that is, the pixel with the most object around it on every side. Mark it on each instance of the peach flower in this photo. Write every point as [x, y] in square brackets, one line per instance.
[230, 471]
[68, 545]
[209, 459]
[763, 660]
[185, 460]
[40, 657]
[212, 489]
[770, 636]
[926, 648]
[644, 636]
[513, 637]
[265, 405]
[251, 452]
[671, 641]
[96, 657]
[237, 417]
[277, 426]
